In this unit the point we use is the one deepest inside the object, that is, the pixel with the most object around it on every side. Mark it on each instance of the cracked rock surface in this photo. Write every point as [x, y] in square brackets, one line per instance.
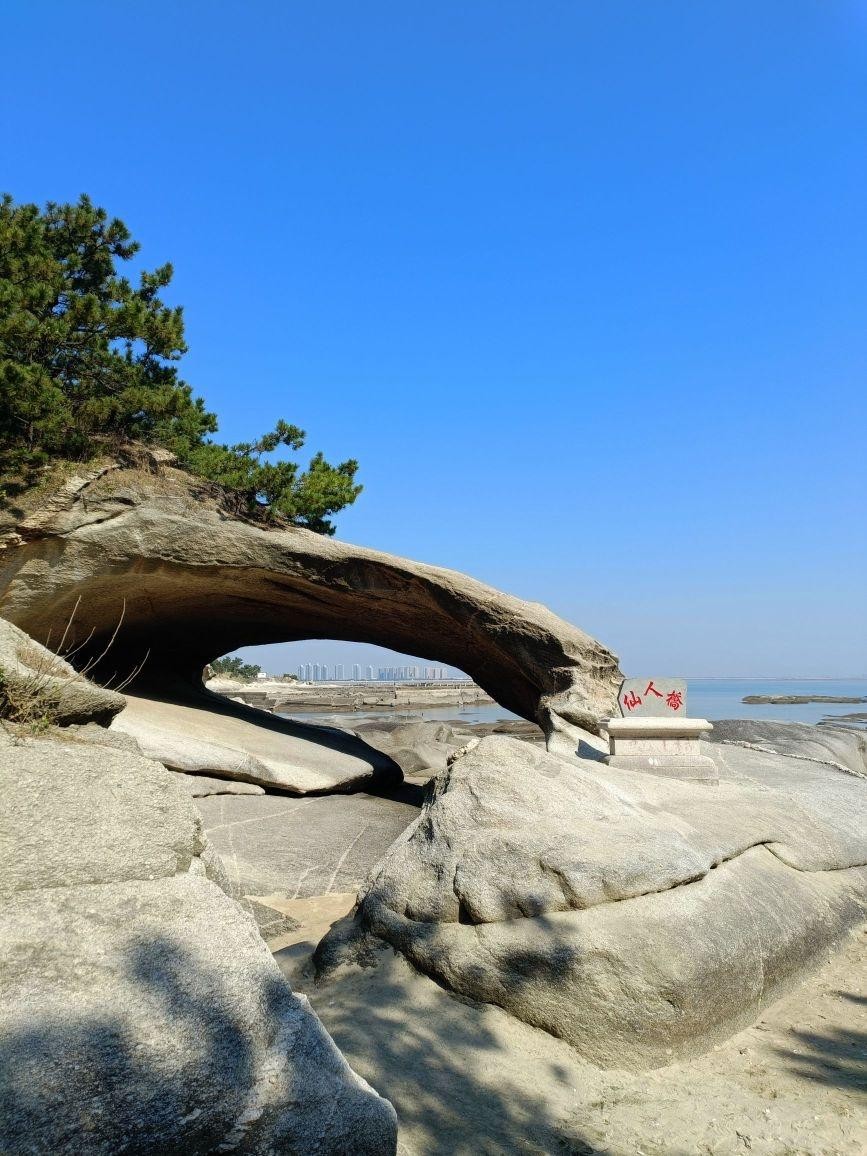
[839, 745]
[298, 848]
[634, 916]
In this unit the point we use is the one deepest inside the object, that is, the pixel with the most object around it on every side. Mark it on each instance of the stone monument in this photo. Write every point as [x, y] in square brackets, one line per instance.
[654, 735]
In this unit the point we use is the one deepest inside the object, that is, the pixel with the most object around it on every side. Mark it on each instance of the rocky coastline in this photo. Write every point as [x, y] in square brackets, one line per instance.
[498, 929]
[798, 699]
[297, 698]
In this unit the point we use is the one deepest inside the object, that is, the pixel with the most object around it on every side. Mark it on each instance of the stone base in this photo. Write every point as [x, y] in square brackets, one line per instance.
[668, 747]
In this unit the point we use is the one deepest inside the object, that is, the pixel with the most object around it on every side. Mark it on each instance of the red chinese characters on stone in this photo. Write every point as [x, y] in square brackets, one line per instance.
[652, 697]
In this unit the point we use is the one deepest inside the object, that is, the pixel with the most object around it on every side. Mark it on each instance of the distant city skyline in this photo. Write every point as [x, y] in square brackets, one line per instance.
[286, 657]
[289, 657]
[357, 672]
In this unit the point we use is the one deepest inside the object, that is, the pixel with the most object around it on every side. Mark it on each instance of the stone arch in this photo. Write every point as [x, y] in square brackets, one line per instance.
[188, 580]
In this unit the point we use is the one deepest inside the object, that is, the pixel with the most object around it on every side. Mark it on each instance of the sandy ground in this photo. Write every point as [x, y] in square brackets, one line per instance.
[469, 1080]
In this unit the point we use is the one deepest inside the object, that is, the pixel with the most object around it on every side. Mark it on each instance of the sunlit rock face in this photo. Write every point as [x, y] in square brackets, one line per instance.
[638, 917]
[142, 1010]
[144, 557]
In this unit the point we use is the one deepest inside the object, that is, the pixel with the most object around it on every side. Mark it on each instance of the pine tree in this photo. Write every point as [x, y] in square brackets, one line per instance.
[88, 362]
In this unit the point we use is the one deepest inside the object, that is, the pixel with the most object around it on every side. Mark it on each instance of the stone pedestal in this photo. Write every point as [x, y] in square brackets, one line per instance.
[661, 746]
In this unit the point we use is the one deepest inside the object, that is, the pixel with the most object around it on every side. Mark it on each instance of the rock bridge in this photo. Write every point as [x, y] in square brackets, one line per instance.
[138, 567]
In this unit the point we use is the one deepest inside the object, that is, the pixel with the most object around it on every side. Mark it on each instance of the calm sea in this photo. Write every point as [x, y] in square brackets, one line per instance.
[709, 698]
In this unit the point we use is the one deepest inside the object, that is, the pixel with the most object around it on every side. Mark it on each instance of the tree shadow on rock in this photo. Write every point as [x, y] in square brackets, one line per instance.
[459, 1085]
[163, 1068]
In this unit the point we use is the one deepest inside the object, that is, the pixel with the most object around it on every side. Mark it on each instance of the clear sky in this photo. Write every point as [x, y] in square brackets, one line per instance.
[583, 285]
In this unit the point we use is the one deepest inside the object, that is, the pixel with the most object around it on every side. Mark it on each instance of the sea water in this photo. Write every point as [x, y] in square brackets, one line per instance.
[709, 698]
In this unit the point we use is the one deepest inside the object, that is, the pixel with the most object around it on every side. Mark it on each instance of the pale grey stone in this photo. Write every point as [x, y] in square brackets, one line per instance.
[199, 786]
[635, 916]
[269, 921]
[141, 1010]
[305, 846]
[75, 813]
[417, 746]
[149, 1016]
[841, 745]
[245, 745]
[101, 736]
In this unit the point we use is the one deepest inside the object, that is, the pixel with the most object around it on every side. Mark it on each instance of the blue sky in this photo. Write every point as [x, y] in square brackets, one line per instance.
[582, 285]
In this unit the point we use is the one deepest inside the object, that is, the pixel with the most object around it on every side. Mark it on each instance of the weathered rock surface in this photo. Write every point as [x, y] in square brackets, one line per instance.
[77, 814]
[37, 683]
[200, 786]
[312, 845]
[422, 747]
[417, 747]
[634, 916]
[237, 742]
[141, 1009]
[838, 745]
[159, 553]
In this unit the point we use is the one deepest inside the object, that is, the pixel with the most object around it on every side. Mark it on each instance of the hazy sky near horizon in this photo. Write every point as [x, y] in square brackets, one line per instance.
[583, 285]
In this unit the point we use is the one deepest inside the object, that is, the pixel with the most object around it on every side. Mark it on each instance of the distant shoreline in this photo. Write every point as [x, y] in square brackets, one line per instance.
[798, 699]
[771, 678]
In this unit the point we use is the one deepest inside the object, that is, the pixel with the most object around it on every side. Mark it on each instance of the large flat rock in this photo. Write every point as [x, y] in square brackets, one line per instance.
[149, 1016]
[224, 739]
[838, 745]
[306, 846]
[75, 813]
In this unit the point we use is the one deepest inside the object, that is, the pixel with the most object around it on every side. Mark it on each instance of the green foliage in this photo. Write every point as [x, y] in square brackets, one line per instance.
[235, 668]
[88, 362]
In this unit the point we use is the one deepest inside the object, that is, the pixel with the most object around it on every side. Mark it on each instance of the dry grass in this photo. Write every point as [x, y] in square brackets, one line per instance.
[31, 696]
[28, 702]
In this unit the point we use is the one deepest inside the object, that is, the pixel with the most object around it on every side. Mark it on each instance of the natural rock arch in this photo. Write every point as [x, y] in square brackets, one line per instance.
[145, 545]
